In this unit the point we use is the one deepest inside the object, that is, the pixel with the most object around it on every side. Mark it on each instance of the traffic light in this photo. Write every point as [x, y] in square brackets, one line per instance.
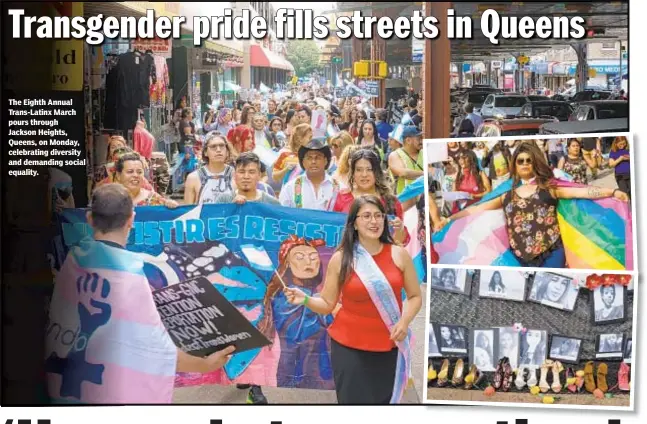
[383, 70]
[361, 69]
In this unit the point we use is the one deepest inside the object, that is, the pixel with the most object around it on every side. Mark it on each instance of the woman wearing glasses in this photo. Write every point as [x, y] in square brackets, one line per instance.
[370, 349]
[531, 208]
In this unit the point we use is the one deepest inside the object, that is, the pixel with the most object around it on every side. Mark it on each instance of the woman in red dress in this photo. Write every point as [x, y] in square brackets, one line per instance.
[366, 177]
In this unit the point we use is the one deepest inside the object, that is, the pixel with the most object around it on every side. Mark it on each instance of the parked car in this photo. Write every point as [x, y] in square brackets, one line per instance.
[503, 105]
[476, 98]
[568, 94]
[546, 108]
[535, 97]
[587, 95]
[600, 109]
[581, 127]
[511, 127]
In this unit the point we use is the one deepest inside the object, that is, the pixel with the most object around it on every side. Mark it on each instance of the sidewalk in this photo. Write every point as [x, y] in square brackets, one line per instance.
[230, 395]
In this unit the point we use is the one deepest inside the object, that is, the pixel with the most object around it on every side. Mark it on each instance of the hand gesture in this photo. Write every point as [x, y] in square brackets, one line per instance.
[171, 204]
[397, 224]
[294, 296]
[239, 200]
[439, 226]
[399, 331]
[217, 360]
[621, 195]
[59, 206]
[625, 157]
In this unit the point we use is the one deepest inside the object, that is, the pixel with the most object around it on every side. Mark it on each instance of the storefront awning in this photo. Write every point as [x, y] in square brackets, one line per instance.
[265, 58]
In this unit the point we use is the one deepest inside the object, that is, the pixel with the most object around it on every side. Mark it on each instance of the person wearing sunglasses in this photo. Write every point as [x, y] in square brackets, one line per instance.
[366, 346]
[530, 208]
[338, 143]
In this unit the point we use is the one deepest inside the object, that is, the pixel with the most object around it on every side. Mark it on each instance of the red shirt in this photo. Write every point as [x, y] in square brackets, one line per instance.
[345, 199]
[358, 324]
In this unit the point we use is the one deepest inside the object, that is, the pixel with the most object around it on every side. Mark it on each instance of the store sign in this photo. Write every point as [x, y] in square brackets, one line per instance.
[67, 66]
[417, 50]
[156, 45]
[372, 88]
[496, 64]
[209, 59]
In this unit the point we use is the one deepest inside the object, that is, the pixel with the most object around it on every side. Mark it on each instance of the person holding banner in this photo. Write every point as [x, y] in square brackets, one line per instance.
[130, 174]
[367, 178]
[314, 189]
[247, 176]
[214, 178]
[119, 351]
[370, 335]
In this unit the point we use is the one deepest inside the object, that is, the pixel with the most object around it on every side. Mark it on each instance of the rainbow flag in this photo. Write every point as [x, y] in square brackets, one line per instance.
[596, 234]
[105, 341]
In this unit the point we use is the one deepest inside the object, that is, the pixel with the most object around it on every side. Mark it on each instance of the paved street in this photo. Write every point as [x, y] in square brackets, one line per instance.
[231, 395]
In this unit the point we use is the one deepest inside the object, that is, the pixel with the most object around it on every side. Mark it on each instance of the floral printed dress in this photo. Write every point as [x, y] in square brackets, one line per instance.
[533, 229]
[576, 168]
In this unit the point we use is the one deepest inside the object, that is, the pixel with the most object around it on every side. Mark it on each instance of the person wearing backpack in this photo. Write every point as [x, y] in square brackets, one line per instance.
[214, 178]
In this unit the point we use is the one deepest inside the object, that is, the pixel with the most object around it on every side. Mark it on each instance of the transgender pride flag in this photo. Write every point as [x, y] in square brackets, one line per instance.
[597, 234]
[415, 189]
[105, 339]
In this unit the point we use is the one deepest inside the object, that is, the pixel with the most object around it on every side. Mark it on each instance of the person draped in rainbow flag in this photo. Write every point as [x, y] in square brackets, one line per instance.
[546, 222]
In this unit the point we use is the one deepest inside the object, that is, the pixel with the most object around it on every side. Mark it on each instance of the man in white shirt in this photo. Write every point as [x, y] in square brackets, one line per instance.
[314, 189]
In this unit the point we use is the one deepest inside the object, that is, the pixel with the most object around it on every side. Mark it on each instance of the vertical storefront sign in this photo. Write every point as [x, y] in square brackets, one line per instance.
[67, 57]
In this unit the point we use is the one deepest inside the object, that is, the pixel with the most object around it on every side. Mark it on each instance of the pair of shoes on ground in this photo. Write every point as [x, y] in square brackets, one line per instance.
[473, 377]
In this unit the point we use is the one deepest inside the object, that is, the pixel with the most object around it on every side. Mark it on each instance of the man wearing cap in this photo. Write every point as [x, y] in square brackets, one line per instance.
[406, 163]
[314, 189]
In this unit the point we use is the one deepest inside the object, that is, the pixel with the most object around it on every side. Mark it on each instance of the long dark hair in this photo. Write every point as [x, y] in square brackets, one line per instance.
[381, 182]
[350, 236]
[473, 167]
[543, 173]
[493, 284]
[360, 132]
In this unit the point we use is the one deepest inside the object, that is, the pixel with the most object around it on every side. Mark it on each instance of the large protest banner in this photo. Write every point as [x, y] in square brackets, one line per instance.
[244, 251]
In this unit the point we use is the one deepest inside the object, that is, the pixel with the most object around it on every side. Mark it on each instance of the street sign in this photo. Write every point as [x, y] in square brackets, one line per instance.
[372, 88]
[522, 59]
[336, 60]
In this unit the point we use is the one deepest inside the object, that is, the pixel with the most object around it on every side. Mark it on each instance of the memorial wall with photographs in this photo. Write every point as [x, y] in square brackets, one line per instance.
[518, 336]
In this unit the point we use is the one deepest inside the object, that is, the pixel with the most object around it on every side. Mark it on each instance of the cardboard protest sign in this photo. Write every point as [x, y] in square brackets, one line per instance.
[318, 123]
[201, 321]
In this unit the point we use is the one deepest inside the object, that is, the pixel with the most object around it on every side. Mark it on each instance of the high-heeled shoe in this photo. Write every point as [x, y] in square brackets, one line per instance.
[443, 374]
[459, 370]
[431, 372]
[508, 376]
[557, 384]
[543, 383]
[570, 375]
[520, 381]
[475, 377]
[532, 379]
[602, 377]
[589, 382]
[498, 374]
[623, 377]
